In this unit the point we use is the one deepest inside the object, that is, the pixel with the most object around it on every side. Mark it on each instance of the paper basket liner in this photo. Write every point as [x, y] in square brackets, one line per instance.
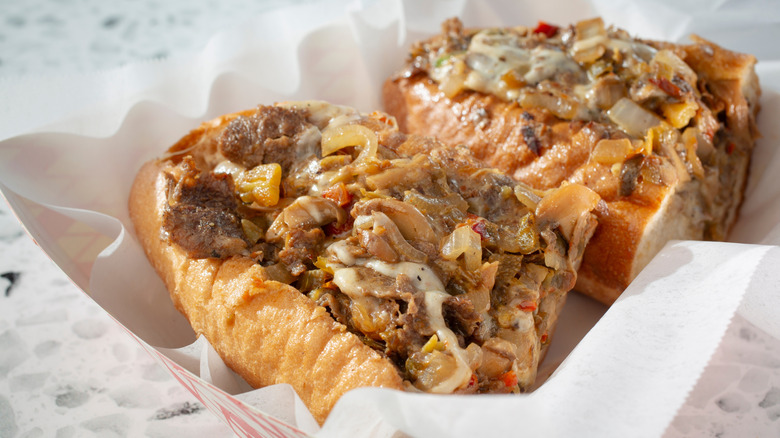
[66, 172]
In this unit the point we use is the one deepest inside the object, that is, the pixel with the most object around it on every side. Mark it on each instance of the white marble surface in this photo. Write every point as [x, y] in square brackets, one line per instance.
[67, 370]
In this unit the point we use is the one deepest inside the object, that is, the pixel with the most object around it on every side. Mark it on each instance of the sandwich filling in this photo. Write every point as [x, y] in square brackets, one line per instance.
[450, 269]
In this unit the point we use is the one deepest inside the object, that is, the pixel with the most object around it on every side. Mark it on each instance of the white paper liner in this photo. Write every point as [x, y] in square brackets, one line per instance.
[628, 376]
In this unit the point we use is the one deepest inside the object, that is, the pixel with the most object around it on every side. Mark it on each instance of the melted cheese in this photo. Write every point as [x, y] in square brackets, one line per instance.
[546, 63]
[490, 56]
[323, 113]
[339, 248]
[347, 281]
[230, 168]
[498, 63]
[424, 280]
[500, 47]
[462, 373]
[308, 143]
[421, 275]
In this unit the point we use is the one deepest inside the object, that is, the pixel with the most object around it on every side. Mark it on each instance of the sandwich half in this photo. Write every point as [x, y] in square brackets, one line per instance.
[662, 132]
[320, 247]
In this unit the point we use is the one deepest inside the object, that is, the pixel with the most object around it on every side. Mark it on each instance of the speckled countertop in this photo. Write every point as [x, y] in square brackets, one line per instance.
[67, 370]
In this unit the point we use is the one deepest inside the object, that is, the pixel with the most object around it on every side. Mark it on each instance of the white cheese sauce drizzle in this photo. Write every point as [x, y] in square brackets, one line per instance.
[423, 279]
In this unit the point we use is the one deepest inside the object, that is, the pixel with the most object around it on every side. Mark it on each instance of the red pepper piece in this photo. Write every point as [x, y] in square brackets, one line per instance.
[527, 305]
[509, 378]
[479, 228]
[667, 86]
[339, 194]
[548, 29]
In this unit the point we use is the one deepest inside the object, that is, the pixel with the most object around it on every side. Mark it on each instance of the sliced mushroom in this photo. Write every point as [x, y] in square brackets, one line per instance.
[361, 281]
[410, 222]
[306, 212]
[309, 211]
[393, 242]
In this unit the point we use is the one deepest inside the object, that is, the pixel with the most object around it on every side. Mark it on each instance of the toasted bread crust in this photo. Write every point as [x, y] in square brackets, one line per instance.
[266, 331]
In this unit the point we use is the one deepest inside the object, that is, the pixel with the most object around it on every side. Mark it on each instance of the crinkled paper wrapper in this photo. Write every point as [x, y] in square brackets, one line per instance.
[74, 144]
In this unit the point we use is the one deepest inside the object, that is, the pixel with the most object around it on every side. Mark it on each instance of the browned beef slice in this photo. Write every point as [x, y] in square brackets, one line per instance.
[460, 314]
[267, 136]
[338, 305]
[300, 246]
[201, 217]
[414, 330]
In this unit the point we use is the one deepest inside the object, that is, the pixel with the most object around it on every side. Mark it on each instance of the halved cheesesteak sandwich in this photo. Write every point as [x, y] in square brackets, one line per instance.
[662, 132]
[320, 247]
